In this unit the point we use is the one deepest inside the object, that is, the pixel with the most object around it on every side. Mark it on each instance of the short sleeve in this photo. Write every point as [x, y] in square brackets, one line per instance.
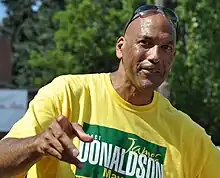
[211, 166]
[57, 98]
[46, 106]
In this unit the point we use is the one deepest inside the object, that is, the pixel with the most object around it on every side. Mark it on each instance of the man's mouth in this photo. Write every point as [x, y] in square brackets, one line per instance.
[149, 71]
[148, 68]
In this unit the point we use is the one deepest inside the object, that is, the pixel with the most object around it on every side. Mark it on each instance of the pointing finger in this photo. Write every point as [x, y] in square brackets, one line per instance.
[80, 133]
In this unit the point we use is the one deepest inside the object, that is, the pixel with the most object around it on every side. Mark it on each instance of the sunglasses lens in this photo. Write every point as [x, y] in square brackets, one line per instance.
[170, 14]
[145, 8]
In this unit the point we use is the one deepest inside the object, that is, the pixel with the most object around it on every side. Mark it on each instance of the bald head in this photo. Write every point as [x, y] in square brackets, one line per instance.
[155, 25]
[147, 50]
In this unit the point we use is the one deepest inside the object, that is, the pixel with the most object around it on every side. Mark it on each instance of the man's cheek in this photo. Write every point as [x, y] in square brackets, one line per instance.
[167, 65]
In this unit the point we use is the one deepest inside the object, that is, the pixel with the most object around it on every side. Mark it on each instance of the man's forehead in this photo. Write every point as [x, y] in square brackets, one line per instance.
[152, 25]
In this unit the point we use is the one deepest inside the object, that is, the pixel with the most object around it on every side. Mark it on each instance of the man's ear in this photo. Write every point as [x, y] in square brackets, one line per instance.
[119, 47]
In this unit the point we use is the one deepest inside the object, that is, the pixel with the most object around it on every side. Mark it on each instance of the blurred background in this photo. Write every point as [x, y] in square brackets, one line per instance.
[41, 39]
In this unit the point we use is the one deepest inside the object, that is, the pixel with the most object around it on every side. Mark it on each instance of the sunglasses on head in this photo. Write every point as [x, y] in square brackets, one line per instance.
[145, 10]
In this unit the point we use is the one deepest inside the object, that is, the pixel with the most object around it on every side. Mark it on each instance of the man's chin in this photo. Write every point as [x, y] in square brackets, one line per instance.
[149, 84]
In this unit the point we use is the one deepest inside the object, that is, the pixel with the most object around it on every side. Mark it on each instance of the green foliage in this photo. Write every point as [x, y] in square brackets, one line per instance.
[195, 81]
[31, 31]
[79, 36]
[86, 39]
[18, 21]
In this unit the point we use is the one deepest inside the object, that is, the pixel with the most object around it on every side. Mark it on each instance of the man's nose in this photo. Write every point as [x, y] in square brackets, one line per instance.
[153, 54]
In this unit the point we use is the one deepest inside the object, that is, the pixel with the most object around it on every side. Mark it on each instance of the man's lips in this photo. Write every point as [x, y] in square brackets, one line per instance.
[148, 67]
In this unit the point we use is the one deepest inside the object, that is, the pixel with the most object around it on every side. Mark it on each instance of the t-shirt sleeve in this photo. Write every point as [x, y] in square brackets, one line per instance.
[201, 158]
[211, 166]
[47, 105]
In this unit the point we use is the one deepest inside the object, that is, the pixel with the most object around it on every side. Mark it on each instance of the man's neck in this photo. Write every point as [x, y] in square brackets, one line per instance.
[128, 91]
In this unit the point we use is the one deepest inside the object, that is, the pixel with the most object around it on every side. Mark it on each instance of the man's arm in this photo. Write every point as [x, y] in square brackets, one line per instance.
[18, 155]
[39, 133]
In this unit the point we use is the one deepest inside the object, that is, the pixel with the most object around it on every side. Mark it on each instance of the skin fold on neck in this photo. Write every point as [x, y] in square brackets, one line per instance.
[128, 91]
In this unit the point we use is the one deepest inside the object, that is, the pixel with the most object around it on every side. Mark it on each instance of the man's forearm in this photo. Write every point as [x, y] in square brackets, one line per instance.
[17, 155]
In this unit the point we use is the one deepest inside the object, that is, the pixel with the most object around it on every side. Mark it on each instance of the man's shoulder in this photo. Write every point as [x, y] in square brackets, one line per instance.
[180, 123]
[70, 84]
[75, 83]
[175, 115]
[73, 78]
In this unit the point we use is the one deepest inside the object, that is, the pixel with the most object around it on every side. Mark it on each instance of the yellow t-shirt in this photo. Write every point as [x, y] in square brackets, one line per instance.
[152, 141]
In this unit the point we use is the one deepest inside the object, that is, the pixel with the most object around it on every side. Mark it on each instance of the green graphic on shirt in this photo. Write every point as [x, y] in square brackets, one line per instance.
[114, 153]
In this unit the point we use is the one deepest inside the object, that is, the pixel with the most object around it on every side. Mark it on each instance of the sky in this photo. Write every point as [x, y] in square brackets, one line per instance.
[2, 12]
[3, 9]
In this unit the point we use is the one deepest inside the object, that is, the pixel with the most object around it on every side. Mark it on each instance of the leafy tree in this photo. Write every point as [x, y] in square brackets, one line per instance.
[31, 30]
[19, 15]
[86, 38]
[79, 36]
[195, 81]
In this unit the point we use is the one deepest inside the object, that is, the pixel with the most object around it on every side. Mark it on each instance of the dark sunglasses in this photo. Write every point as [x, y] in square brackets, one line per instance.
[145, 10]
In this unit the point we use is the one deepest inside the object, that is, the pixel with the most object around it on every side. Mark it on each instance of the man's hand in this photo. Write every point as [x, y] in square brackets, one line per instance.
[57, 140]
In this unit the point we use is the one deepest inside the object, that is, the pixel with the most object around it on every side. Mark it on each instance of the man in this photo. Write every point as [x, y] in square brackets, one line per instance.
[128, 129]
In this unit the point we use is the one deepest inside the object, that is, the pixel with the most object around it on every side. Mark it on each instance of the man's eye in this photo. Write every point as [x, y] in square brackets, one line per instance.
[167, 48]
[145, 43]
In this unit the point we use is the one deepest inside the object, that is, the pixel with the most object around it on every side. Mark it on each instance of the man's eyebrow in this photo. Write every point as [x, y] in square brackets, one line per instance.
[151, 38]
[146, 37]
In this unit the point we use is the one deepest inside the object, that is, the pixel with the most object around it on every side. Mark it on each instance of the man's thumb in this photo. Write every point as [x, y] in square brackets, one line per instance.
[65, 125]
